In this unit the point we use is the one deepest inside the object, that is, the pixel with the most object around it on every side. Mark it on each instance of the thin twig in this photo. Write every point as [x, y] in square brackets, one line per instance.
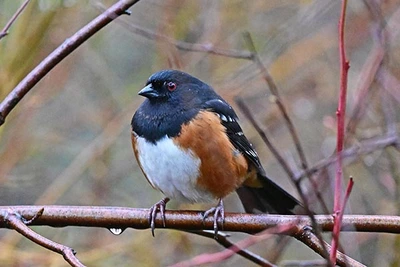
[306, 236]
[60, 53]
[341, 115]
[182, 45]
[248, 114]
[347, 196]
[246, 111]
[235, 248]
[186, 46]
[388, 113]
[223, 240]
[363, 147]
[17, 222]
[4, 32]
[296, 140]
[278, 100]
[371, 67]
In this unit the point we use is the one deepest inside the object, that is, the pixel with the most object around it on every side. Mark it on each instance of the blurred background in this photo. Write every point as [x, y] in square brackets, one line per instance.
[68, 141]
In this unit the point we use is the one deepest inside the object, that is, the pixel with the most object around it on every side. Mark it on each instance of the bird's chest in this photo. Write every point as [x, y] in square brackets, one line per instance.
[172, 170]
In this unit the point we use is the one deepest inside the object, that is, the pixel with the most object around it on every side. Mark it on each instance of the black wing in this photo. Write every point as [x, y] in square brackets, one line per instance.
[268, 198]
[234, 131]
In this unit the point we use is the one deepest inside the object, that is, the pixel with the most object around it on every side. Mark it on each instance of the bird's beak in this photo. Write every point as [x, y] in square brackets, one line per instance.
[149, 92]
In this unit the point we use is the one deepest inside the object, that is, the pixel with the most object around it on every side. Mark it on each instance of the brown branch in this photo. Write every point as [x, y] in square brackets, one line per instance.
[306, 236]
[292, 130]
[182, 45]
[278, 100]
[243, 107]
[120, 217]
[116, 217]
[16, 221]
[296, 140]
[4, 32]
[60, 53]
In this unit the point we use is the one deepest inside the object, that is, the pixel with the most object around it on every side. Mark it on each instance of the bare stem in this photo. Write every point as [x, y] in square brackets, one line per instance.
[4, 32]
[17, 222]
[341, 112]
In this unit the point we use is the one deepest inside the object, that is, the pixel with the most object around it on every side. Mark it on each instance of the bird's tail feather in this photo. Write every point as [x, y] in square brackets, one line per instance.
[270, 198]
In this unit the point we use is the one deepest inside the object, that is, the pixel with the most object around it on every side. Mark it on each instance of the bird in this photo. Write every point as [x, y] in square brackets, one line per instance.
[189, 145]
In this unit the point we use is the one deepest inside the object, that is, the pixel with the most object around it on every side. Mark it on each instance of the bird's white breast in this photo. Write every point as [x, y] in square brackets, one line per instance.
[172, 170]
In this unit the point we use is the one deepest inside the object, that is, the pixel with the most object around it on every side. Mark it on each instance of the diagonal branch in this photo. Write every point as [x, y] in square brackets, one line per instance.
[223, 240]
[243, 107]
[60, 53]
[236, 248]
[4, 32]
[306, 236]
[17, 222]
[182, 45]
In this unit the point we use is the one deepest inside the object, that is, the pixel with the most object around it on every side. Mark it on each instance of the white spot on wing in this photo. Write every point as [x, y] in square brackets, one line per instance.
[223, 117]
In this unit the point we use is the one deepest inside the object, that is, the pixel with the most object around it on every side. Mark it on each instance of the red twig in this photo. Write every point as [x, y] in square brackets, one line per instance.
[346, 197]
[4, 32]
[340, 113]
[224, 241]
[231, 251]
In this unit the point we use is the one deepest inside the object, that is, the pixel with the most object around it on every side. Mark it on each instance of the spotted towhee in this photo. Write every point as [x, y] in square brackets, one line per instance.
[189, 145]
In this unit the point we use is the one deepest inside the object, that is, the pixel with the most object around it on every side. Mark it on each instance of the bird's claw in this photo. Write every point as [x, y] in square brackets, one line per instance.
[219, 212]
[159, 206]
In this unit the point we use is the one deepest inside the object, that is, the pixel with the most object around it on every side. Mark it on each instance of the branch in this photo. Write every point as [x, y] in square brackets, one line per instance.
[122, 218]
[224, 241]
[341, 115]
[278, 100]
[364, 147]
[60, 53]
[243, 107]
[4, 32]
[181, 45]
[236, 248]
[15, 221]
[306, 236]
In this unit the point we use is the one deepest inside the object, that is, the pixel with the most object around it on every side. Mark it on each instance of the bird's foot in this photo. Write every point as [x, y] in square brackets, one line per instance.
[219, 212]
[159, 206]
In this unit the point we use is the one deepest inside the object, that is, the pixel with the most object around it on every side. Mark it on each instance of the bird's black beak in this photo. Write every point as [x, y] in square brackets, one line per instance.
[149, 92]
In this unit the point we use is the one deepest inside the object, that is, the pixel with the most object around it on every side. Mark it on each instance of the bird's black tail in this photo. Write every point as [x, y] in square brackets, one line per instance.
[270, 198]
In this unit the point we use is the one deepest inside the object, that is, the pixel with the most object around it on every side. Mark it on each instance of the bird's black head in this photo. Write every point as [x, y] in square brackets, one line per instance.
[167, 84]
[173, 99]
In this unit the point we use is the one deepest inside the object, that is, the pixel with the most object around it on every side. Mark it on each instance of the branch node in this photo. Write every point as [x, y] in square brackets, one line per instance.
[37, 215]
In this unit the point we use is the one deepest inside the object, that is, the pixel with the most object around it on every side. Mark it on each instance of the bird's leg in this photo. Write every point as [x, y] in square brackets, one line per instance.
[219, 212]
[159, 206]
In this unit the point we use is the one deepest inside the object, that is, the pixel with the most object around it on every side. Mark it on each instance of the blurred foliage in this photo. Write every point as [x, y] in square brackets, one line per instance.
[68, 141]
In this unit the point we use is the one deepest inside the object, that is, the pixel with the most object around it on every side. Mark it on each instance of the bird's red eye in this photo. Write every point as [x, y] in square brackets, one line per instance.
[171, 86]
